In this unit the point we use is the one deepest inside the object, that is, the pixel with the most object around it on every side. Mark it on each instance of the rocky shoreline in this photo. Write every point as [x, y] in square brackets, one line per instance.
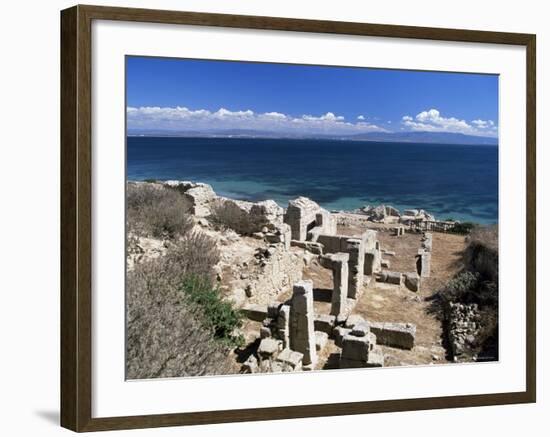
[202, 199]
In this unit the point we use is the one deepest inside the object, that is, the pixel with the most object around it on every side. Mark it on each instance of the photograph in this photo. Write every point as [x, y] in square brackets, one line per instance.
[294, 217]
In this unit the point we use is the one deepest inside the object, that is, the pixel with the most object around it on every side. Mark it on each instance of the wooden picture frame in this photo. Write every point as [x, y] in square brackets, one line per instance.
[76, 217]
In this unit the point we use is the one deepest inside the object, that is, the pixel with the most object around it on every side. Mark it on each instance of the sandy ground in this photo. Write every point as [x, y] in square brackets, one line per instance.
[390, 303]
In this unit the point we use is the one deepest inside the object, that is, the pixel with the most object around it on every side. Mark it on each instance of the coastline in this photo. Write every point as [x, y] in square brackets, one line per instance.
[357, 213]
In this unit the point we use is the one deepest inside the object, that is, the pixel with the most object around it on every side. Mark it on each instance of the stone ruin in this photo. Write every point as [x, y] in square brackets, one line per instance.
[306, 219]
[302, 327]
[292, 335]
[411, 280]
[338, 263]
[424, 257]
[399, 231]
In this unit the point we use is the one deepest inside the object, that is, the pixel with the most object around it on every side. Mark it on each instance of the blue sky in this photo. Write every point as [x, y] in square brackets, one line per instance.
[180, 94]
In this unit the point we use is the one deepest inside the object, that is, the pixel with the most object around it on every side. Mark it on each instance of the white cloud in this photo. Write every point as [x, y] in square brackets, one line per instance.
[182, 118]
[329, 116]
[361, 117]
[432, 121]
[483, 124]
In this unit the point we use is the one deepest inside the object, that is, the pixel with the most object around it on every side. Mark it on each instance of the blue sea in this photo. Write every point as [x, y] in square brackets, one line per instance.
[449, 181]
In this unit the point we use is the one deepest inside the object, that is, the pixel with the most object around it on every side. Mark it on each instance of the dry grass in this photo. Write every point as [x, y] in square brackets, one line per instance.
[156, 211]
[478, 283]
[166, 333]
[486, 236]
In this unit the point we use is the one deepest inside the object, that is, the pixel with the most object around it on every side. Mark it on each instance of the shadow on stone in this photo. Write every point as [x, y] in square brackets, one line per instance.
[244, 353]
[322, 295]
[333, 361]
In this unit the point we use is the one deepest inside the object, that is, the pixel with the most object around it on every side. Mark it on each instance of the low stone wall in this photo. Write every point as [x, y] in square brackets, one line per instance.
[276, 273]
[462, 329]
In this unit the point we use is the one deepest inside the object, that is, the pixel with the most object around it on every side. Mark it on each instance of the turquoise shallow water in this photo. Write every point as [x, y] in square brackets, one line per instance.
[449, 181]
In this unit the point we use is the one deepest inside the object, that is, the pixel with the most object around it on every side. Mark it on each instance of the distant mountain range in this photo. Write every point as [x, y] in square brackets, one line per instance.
[393, 137]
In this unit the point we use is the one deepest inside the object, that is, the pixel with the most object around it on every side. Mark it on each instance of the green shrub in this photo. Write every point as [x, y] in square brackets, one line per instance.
[462, 228]
[457, 289]
[155, 211]
[166, 333]
[218, 315]
[481, 255]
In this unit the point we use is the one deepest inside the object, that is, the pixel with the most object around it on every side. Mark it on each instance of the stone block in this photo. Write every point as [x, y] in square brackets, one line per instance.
[302, 331]
[398, 335]
[248, 217]
[360, 329]
[338, 262]
[269, 348]
[423, 263]
[355, 348]
[355, 249]
[427, 242]
[376, 358]
[255, 312]
[339, 333]
[326, 222]
[265, 332]
[283, 325]
[373, 261]
[291, 358]
[399, 231]
[395, 278]
[310, 246]
[301, 215]
[412, 281]
[286, 234]
[321, 339]
[324, 323]
[353, 320]
[385, 264]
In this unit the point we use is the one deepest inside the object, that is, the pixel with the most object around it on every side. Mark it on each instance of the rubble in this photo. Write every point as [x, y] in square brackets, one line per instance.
[463, 328]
